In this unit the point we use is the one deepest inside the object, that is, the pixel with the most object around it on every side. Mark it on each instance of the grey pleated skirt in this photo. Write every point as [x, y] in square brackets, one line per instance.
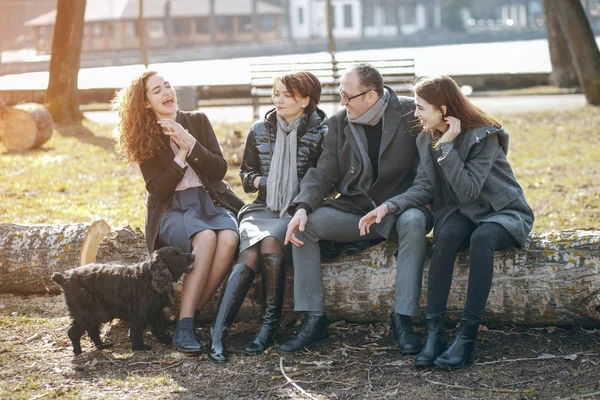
[258, 222]
[191, 211]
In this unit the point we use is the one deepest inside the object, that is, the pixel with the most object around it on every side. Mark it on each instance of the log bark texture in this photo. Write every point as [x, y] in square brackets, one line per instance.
[25, 126]
[30, 254]
[553, 280]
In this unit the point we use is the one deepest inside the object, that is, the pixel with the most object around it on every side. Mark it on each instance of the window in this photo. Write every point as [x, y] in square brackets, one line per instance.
[347, 16]
[131, 29]
[369, 13]
[267, 23]
[390, 12]
[244, 23]
[225, 24]
[111, 29]
[97, 30]
[300, 16]
[155, 29]
[182, 27]
[410, 14]
[201, 25]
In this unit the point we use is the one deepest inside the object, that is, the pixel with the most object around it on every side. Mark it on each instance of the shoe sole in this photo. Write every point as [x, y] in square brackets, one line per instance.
[410, 352]
[447, 367]
[320, 343]
[423, 364]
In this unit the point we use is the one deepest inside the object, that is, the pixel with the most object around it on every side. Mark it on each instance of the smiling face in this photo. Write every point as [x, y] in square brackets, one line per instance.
[161, 97]
[430, 116]
[288, 107]
[349, 87]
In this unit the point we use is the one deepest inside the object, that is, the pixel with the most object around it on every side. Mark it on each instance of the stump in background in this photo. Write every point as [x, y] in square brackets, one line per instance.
[30, 254]
[24, 126]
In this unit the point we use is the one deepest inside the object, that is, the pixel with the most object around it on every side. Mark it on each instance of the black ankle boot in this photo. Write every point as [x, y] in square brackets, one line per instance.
[312, 333]
[402, 331]
[273, 289]
[435, 344]
[184, 338]
[462, 351]
[232, 297]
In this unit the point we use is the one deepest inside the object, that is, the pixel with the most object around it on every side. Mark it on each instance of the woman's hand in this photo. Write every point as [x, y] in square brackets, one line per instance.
[453, 129]
[373, 217]
[180, 136]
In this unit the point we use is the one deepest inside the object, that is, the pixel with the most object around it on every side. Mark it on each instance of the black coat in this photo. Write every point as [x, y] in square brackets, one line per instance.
[260, 144]
[162, 174]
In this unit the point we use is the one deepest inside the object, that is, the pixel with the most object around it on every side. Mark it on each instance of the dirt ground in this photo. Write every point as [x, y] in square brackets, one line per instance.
[361, 363]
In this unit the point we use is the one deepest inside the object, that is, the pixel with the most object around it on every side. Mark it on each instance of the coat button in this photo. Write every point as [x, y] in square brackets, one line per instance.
[196, 159]
[351, 170]
[479, 205]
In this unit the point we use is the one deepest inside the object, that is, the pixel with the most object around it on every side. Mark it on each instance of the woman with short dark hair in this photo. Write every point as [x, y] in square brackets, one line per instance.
[279, 150]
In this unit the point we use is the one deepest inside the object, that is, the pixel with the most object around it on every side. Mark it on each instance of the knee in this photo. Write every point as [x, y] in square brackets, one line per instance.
[249, 257]
[228, 239]
[480, 241]
[204, 239]
[411, 221]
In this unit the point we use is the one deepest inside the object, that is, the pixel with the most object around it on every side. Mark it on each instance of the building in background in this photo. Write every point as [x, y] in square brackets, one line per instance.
[112, 25]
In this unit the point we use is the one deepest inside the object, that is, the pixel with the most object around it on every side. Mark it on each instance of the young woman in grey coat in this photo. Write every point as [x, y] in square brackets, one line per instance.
[477, 203]
[279, 150]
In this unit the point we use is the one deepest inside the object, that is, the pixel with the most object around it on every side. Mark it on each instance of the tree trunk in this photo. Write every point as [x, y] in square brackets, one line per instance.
[582, 46]
[29, 254]
[142, 34]
[61, 96]
[25, 126]
[212, 22]
[563, 73]
[255, 21]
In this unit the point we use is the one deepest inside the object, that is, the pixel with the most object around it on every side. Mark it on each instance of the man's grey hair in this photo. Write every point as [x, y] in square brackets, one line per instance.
[368, 77]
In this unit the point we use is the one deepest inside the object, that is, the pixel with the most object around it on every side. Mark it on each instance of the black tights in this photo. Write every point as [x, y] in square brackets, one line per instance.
[251, 256]
[458, 233]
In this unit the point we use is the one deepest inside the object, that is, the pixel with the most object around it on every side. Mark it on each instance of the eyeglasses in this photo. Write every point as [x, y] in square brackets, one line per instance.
[348, 99]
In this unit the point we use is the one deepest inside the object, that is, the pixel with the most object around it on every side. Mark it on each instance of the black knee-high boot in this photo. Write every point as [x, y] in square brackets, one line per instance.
[273, 289]
[462, 351]
[232, 297]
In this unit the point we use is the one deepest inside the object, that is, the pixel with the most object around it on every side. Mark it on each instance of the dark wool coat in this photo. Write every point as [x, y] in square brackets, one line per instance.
[480, 175]
[341, 165]
[261, 142]
[162, 173]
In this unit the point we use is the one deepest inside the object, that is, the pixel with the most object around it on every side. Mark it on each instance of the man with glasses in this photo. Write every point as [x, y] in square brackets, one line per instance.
[369, 155]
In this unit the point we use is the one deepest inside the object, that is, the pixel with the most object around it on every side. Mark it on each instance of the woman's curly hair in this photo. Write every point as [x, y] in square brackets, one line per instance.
[139, 137]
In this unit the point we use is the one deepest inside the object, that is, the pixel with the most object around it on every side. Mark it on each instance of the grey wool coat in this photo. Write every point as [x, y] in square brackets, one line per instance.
[342, 169]
[480, 176]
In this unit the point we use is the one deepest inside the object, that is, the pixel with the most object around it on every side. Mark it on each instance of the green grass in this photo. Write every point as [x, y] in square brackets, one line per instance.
[78, 179]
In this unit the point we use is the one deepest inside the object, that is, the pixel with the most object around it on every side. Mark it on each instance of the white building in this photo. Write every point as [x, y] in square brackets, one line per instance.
[363, 18]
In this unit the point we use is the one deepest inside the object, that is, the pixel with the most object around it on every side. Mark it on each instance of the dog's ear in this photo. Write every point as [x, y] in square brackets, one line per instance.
[162, 280]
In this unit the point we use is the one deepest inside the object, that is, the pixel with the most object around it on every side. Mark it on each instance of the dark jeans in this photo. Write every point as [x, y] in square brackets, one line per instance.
[458, 233]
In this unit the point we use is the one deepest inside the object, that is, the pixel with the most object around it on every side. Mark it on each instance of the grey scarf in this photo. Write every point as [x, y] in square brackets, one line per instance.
[282, 183]
[370, 117]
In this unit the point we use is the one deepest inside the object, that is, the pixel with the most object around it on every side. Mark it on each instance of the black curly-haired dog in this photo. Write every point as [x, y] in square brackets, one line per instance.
[137, 294]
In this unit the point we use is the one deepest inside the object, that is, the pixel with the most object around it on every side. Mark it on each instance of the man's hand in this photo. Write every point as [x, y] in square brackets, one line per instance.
[298, 222]
[373, 217]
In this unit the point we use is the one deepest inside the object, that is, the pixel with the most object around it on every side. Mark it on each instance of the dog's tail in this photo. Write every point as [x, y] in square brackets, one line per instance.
[58, 278]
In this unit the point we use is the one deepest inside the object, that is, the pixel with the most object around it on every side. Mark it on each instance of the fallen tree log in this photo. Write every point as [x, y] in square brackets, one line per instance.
[25, 126]
[553, 280]
[30, 254]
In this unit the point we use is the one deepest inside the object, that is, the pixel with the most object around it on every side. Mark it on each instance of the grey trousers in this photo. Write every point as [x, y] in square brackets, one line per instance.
[331, 224]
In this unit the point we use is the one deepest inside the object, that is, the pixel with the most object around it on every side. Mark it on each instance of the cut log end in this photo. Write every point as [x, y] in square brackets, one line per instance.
[98, 230]
[25, 126]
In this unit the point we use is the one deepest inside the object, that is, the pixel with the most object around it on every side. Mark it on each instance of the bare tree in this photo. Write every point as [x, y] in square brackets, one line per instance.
[583, 49]
[142, 34]
[563, 71]
[62, 96]
[255, 21]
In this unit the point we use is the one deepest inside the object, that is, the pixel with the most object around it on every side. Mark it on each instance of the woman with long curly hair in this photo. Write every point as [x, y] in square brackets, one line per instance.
[477, 203]
[183, 167]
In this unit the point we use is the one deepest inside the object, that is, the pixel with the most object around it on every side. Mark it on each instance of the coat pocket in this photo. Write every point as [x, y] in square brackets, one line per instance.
[499, 201]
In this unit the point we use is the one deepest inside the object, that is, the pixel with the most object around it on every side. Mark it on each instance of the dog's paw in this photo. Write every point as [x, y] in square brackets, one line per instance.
[164, 339]
[142, 347]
